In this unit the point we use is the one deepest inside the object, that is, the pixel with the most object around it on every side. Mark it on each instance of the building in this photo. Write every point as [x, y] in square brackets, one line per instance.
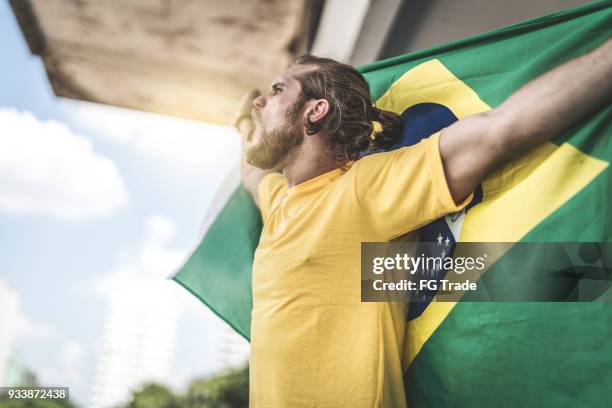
[233, 349]
[138, 337]
[9, 316]
[138, 340]
[17, 373]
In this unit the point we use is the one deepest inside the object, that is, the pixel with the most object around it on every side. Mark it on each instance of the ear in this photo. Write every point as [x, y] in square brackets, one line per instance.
[317, 110]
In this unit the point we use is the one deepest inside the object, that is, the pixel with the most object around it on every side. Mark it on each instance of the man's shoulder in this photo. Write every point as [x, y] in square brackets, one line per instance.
[388, 155]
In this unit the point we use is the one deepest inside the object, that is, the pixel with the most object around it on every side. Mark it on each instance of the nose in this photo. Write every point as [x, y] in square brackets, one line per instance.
[259, 102]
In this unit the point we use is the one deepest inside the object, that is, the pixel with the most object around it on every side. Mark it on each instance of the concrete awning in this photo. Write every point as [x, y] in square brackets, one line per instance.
[188, 58]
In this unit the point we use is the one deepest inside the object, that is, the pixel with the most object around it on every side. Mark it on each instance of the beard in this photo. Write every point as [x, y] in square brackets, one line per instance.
[275, 145]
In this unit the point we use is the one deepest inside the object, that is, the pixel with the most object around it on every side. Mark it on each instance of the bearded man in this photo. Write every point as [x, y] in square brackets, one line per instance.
[313, 343]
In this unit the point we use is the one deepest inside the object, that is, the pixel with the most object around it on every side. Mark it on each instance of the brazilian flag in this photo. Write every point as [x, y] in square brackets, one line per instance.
[469, 354]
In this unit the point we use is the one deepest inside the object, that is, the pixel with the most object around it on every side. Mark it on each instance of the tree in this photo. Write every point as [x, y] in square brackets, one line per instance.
[229, 389]
[154, 395]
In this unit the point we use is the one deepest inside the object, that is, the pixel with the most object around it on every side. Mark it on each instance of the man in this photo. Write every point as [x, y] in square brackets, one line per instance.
[313, 343]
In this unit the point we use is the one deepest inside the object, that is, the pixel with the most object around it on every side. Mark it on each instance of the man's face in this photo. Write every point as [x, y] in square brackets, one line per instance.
[277, 122]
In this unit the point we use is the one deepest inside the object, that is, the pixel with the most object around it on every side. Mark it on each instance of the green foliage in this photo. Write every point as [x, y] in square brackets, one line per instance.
[154, 396]
[229, 389]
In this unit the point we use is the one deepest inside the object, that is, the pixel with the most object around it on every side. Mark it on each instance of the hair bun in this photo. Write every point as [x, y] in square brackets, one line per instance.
[390, 129]
[374, 114]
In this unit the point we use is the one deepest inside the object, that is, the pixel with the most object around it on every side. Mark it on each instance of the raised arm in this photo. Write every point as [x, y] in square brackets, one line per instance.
[251, 175]
[538, 111]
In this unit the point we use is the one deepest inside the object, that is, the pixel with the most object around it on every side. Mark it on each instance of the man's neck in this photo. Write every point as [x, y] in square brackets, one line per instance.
[309, 160]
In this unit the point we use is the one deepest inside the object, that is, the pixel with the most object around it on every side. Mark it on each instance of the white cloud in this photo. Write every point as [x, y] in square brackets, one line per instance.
[187, 148]
[153, 264]
[45, 169]
[65, 365]
[15, 324]
[72, 359]
[26, 328]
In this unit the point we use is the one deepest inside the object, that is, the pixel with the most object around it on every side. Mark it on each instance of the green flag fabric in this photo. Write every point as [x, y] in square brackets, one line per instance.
[466, 353]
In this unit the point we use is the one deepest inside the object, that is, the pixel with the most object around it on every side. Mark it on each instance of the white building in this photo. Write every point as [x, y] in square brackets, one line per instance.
[138, 339]
[9, 315]
[233, 349]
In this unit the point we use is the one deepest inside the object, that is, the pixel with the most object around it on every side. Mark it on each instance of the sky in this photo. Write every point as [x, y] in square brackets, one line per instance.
[91, 196]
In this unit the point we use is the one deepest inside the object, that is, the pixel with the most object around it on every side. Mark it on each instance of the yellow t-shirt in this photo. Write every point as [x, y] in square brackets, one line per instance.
[313, 342]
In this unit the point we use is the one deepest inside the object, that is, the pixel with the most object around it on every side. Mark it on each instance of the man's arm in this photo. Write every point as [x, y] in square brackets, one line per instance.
[251, 175]
[538, 111]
